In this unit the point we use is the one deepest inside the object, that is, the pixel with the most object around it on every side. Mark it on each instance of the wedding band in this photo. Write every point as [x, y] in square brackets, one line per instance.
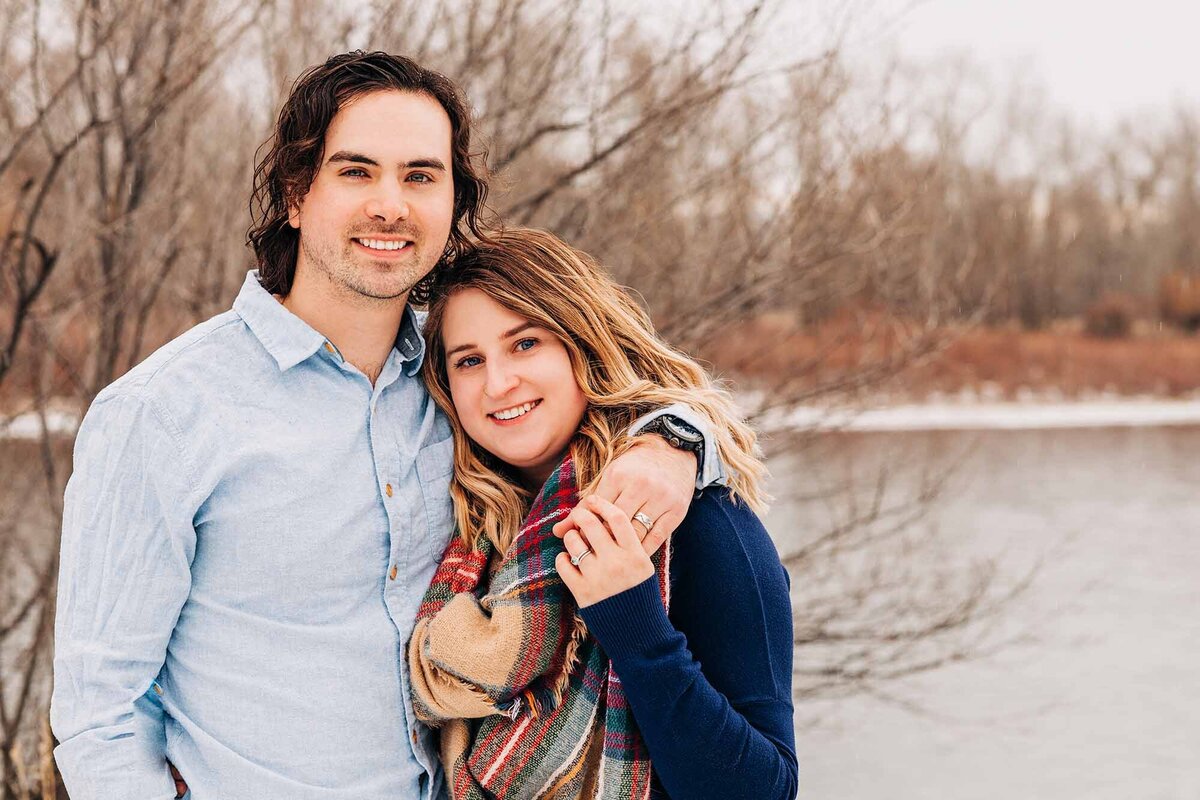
[576, 559]
[645, 520]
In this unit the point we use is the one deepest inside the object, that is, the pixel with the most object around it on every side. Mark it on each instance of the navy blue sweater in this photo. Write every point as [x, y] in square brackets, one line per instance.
[710, 683]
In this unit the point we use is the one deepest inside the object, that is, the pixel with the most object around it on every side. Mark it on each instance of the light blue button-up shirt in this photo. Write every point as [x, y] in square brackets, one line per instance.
[247, 534]
[248, 531]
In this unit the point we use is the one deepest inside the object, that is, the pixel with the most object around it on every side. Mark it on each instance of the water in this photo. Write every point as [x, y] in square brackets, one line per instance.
[1103, 701]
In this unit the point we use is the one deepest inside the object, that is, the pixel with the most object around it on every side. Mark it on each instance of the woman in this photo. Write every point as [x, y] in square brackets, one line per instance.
[555, 668]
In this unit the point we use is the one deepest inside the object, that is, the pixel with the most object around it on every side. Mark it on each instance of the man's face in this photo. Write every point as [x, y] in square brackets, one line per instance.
[379, 211]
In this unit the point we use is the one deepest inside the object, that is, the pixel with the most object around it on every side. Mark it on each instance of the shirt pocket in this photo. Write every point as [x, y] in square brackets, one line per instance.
[435, 464]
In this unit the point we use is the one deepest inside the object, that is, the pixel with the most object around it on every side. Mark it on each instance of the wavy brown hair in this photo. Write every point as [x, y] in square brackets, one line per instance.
[622, 367]
[285, 172]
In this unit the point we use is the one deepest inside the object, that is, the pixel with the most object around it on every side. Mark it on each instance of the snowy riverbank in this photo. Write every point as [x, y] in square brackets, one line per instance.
[1108, 412]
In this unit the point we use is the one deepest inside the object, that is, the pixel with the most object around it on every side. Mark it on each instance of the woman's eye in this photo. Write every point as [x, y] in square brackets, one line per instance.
[467, 361]
[526, 344]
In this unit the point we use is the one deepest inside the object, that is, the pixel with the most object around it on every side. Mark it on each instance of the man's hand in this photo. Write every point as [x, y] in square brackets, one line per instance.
[651, 479]
[180, 785]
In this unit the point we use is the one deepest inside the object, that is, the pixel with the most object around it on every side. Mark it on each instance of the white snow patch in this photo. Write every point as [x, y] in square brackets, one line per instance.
[1106, 413]
[29, 425]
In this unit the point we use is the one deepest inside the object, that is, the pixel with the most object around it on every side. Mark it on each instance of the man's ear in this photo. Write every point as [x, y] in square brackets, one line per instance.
[294, 215]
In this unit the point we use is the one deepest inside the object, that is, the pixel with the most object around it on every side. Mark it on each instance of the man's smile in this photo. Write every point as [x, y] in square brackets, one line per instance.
[386, 248]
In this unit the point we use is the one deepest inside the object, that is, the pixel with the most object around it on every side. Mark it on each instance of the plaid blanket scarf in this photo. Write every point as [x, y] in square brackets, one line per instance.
[527, 702]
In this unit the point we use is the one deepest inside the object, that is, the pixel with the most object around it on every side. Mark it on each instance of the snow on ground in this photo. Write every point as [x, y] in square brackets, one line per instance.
[937, 415]
[949, 416]
[29, 425]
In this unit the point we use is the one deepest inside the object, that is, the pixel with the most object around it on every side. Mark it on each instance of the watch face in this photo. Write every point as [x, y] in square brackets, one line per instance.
[685, 433]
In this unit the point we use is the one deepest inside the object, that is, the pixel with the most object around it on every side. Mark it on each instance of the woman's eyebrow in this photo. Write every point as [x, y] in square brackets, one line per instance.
[524, 326]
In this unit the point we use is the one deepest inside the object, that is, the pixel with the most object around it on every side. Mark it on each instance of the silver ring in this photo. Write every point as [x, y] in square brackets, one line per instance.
[576, 559]
[645, 520]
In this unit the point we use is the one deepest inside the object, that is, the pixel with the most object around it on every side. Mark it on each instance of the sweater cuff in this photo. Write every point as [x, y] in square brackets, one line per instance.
[633, 622]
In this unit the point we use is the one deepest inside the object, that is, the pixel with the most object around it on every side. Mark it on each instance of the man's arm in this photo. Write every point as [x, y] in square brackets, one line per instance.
[711, 470]
[125, 572]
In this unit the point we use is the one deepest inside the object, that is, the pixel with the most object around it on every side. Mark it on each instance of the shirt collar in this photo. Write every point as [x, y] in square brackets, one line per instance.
[291, 340]
[410, 344]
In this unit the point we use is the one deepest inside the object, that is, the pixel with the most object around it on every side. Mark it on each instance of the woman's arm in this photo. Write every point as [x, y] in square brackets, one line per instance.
[725, 731]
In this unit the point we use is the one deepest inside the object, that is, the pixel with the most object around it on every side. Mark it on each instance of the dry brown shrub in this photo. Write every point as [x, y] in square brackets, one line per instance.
[1111, 317]
[1070, 363]
[1179, 300]
[1065, 359]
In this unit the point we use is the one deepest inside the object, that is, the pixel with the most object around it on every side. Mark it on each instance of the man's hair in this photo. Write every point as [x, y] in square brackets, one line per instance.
[620, 364]
[284, 174]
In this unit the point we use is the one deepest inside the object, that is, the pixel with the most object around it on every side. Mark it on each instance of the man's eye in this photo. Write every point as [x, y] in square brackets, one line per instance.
[467, 361]
[526, 344]
[355, 173]
[420, 177]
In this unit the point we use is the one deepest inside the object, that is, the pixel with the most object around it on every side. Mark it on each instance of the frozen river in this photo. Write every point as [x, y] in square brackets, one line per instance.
[1104, 700]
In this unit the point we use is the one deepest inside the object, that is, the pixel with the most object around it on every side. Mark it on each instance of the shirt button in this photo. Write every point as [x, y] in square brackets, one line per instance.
[388, 489]
[392, 574]
[414, 735]
[157, 689]
[329, 347]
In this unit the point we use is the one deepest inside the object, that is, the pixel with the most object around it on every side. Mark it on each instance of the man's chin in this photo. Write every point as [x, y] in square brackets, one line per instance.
[393, 287]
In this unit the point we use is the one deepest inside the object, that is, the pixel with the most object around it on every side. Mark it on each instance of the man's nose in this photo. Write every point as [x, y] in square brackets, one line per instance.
[387, 203]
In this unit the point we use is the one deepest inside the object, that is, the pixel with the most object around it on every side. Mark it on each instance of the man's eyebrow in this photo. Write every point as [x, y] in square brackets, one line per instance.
[348, 156]
[425, 163]
[353, 158]
[524, 326]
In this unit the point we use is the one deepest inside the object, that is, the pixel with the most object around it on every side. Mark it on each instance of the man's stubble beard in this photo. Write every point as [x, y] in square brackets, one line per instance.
[341, 270]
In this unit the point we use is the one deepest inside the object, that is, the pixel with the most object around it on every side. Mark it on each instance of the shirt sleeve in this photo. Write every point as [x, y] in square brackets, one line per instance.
[124, 574]
[725, 729]
[712, 471]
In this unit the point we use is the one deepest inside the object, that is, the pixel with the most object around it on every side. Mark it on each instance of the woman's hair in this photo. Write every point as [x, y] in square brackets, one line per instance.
[285, 172]
[620, 364]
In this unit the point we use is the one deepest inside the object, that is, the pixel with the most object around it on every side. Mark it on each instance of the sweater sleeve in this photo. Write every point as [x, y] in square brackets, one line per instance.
[710, 684]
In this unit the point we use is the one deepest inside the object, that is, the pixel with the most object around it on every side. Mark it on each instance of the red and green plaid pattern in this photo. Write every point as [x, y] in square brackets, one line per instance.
[561, 726]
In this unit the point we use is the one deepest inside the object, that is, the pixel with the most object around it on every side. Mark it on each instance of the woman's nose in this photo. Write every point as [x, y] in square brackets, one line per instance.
[500, 380]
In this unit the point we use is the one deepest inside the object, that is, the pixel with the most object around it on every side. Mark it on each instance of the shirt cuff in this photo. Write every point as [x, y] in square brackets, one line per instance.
[630, 623]
[712, 471]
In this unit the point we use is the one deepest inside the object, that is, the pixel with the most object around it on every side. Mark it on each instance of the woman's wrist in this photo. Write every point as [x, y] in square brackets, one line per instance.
[631, 622]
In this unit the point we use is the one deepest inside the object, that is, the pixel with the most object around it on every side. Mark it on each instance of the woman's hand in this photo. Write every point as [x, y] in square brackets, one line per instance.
[607, 550]
[652, 478]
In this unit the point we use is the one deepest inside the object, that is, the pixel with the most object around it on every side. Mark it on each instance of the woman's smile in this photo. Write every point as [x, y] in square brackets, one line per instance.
[514, 414]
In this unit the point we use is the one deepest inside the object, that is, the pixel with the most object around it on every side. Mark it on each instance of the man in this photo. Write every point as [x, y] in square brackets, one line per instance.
[257, 509]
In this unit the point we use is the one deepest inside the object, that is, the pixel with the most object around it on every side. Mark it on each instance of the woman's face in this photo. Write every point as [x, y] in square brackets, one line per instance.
[511, 383]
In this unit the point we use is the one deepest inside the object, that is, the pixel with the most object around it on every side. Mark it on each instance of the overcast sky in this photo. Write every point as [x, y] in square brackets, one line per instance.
[1098, 60]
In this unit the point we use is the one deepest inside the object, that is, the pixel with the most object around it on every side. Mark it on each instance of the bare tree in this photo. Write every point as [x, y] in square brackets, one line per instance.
[105, 102]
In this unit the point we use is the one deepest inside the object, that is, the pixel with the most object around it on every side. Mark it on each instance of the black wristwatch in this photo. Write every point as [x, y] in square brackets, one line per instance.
[679, 435]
